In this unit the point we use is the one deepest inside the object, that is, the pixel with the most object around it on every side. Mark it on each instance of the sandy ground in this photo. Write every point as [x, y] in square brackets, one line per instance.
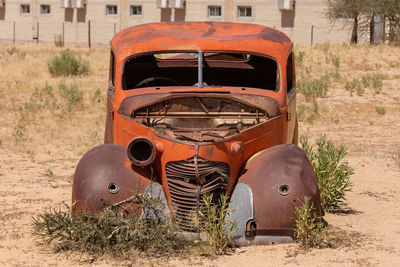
[371, 220]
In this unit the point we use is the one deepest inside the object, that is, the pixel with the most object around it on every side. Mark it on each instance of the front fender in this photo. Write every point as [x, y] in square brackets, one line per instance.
[274, 182]
[104, 176]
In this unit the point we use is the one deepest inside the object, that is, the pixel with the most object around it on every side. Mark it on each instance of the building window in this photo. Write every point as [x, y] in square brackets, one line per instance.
[111, 10]
[214, 11]
[25, 9]
[244, 11]
[45, 9]
[136, 10]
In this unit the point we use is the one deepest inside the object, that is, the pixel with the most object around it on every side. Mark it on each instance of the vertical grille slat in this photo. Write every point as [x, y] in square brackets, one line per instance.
[186, 191]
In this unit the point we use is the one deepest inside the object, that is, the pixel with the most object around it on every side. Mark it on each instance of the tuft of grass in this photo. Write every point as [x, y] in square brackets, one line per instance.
[45, 98]
[218, 228]
[380, 110]
[299, 57]
[332, 173]
[109, 232]
[308, 113]
[71, 95]
[96, 98]
[354, 85]
[67, 64]
[396, 159]
[12, 50]
[373, 81]
[309, 226]
[58, 40]
[312, 88]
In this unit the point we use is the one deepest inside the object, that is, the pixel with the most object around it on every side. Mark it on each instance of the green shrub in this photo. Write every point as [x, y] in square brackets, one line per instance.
[67, 64]
[218, 228]
[309, 226]
[332, 173]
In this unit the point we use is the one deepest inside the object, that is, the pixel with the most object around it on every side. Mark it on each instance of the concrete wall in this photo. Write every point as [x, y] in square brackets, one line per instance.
[73, 23]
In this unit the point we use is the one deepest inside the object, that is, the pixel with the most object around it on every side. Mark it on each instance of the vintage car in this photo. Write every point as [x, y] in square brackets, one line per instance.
[196, 108]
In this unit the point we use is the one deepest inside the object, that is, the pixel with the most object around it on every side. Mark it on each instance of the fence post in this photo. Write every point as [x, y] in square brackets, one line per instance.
[13, 32]
[89, 34]
[312, 35]
[63, 34]
[37, 31]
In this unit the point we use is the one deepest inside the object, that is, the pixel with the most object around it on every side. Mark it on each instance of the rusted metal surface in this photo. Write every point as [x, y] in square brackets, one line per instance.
[189, 180]
[104, 176]
[175, 125]
[279, 178]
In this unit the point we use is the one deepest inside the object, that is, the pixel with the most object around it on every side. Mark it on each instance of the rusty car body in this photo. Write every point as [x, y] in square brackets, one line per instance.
[197, 108]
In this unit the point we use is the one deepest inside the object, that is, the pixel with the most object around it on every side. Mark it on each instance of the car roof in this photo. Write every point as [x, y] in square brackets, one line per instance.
[212, 36]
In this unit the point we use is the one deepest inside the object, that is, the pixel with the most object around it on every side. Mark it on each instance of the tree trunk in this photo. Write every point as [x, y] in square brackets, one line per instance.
[354, 34]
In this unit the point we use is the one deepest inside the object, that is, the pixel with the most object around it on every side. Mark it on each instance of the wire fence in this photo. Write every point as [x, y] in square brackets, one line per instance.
[89, 33]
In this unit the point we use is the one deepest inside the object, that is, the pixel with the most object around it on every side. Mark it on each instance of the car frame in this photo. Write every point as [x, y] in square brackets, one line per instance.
[197, 108]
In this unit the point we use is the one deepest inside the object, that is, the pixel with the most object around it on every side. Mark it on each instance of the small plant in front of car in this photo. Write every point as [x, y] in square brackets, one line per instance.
[309, 226]
[332, 173]
[67, 64]
[219, 229]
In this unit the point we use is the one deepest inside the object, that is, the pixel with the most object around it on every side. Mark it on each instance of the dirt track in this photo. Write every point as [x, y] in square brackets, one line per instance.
[371, 219]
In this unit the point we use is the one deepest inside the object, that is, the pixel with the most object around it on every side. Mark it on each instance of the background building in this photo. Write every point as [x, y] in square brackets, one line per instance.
[74, 21]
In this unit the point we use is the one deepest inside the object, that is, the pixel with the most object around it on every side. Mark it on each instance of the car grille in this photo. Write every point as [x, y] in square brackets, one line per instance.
[188, 181]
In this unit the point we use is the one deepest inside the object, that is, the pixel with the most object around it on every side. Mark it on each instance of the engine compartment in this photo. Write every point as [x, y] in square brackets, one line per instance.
[199, 119]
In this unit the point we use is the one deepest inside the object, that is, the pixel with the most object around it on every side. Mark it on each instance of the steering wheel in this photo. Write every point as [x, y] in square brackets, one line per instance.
[156, 82]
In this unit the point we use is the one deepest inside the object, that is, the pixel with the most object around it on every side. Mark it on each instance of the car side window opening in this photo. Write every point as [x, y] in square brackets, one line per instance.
[290, 78]
[112, 69]
[220, 69]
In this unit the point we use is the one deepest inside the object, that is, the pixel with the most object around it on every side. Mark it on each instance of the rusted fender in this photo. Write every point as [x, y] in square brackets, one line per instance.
[104, 176]
[274, 182]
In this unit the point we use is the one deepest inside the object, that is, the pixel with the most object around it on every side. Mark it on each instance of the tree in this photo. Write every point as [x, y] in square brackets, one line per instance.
[361, 15]
[346, 9]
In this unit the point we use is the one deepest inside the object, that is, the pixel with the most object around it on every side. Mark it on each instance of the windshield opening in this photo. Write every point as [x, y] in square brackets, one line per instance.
[219, 69]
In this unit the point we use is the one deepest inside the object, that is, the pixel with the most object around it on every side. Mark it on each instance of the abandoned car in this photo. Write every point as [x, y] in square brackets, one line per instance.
[197, 108]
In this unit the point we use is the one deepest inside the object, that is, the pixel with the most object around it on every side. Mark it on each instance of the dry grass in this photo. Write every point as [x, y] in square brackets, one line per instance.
[23, 69]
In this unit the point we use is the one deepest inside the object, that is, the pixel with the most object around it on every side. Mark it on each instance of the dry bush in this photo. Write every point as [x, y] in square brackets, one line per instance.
[108, 232]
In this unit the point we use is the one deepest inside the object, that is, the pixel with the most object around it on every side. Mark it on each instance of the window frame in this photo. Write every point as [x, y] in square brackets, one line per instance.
[216, 7]
[111, 7]
[22, 6]
[138, 8]
[279, 81]
[42, 9]
[246, 8]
